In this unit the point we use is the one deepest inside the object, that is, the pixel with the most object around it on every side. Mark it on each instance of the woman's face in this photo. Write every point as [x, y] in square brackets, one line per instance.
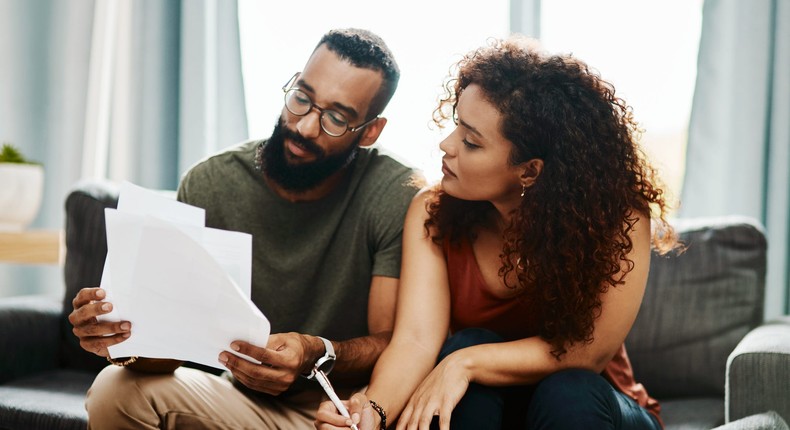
[476, 164]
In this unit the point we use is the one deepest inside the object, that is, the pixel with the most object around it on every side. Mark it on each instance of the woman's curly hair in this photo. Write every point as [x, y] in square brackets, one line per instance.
[568, 242]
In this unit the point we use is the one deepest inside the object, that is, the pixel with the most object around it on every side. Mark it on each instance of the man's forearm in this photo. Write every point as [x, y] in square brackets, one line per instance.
[356, 358]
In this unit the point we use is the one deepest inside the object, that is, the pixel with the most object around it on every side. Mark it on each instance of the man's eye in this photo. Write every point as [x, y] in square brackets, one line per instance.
[336, 118]
[302, 99]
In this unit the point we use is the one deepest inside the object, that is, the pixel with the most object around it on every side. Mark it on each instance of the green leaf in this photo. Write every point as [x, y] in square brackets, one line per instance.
[10, 154]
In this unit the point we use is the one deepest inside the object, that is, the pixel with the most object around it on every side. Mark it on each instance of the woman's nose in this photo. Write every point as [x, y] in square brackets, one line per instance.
[447, 145]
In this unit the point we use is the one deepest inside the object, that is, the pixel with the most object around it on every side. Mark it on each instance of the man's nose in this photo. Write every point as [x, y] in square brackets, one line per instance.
[309, 125]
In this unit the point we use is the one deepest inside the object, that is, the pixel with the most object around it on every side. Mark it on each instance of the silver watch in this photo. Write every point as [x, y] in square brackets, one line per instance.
[326, 362]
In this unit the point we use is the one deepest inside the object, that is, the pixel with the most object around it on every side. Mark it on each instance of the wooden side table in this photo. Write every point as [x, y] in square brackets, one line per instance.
[31, 247]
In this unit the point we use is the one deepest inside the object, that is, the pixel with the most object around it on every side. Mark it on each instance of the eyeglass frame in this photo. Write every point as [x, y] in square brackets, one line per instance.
[289, 86]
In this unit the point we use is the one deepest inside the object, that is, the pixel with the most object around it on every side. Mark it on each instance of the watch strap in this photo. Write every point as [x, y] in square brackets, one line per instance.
[327, 362]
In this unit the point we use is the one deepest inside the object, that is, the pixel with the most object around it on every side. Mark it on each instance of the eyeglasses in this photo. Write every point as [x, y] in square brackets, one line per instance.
[332, 122]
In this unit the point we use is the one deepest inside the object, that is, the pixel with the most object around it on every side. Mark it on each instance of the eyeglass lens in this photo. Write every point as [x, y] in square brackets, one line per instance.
[298, 103]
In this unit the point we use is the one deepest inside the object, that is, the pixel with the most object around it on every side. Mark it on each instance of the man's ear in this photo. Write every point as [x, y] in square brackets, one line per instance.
[371, 133]
[532, 169]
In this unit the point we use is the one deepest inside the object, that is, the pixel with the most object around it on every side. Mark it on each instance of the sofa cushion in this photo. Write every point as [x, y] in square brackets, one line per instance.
[48, 401]
[697, 307]
[701, 413]
[28, 336]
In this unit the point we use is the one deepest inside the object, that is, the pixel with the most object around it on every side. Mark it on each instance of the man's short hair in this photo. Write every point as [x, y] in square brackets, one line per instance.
[364, 49]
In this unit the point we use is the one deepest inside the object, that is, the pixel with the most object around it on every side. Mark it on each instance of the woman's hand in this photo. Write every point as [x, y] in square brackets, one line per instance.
[438, 395]
[362, 414]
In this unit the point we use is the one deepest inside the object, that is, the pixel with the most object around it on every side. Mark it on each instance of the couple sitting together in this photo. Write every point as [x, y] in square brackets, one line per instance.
[497, 298]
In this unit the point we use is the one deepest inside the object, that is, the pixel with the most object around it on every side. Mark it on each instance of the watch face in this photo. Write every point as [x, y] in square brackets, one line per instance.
[327, 364]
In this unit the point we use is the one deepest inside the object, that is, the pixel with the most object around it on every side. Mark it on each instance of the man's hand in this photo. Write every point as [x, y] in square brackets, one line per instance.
[96, 336]
[286, 356]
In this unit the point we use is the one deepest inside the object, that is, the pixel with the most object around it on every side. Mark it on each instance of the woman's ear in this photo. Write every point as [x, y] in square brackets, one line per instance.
[532, 170]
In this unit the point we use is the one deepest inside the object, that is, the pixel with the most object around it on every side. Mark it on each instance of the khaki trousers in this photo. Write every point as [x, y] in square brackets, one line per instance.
[191, 399]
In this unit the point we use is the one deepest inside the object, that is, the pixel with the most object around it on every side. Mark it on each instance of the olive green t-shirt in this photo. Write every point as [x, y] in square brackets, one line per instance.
[312, 262]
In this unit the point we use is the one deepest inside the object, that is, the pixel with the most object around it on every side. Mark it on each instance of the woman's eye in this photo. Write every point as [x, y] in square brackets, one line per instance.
[470, 145]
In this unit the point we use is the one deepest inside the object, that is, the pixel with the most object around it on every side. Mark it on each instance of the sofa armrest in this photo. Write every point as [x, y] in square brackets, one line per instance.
[29, 335]
[765, 421]
[758, 371]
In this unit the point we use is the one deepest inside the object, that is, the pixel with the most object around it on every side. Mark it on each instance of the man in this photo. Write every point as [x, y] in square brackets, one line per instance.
[326, 215]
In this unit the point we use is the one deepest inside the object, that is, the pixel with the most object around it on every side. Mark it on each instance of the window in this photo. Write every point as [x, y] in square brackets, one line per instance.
[278, 37]
[648, 51]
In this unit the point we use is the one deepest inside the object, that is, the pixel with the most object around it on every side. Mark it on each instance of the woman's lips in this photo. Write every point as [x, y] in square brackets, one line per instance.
[446, 170]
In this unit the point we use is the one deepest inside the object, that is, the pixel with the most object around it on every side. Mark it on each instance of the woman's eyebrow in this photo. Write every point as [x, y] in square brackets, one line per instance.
[470, 128]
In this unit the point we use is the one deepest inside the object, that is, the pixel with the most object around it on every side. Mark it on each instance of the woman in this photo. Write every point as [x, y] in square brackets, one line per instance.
[532, 253]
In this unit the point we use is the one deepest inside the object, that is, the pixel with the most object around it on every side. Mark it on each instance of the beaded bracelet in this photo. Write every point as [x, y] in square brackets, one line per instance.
[382, 414]
[126, 362]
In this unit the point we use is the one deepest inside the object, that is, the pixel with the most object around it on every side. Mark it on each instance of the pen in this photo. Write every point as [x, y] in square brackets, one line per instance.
[320, 376]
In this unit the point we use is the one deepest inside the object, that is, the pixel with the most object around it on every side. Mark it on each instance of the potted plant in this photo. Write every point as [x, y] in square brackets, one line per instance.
[21, 189]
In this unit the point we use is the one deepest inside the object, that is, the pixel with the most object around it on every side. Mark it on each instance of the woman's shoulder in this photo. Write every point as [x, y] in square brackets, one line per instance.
[420, 202]
[424, 196]
[430, 190]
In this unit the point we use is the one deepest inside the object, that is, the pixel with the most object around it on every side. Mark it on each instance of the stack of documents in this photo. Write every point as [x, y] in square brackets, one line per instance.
[184, 287]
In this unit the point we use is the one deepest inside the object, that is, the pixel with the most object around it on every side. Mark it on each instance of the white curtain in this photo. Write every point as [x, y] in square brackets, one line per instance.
[134, 90]
[738, 158]
[166, 88]
[525, 17]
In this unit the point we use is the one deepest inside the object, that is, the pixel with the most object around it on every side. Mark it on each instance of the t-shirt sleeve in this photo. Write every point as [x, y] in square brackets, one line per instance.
[181, 194]
[184, 186]
[192, 184]
[388, 213]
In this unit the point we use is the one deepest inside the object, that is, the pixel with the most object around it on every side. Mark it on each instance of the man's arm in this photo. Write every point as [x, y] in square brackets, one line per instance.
[356, 357]
[289, 355]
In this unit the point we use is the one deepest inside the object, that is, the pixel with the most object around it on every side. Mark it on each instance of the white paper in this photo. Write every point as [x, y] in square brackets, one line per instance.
[184, 287]
[134, 199]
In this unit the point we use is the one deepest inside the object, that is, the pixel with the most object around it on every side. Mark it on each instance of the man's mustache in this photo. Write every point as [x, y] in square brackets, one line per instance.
[304, 142]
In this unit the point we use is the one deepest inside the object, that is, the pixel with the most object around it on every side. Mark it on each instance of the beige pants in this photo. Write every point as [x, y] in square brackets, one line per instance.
[190, 399]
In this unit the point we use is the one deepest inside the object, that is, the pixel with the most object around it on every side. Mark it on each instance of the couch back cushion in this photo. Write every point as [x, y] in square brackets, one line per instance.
[86, 249]
[697, 307]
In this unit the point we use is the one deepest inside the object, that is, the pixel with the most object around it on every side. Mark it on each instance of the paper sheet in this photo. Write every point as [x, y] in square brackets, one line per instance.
[184, 287]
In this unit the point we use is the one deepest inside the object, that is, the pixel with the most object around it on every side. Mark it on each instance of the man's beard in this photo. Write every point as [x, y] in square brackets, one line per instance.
[303, 176]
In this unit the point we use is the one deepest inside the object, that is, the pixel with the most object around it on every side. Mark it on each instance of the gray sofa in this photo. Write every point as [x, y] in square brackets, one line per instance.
[697, 308]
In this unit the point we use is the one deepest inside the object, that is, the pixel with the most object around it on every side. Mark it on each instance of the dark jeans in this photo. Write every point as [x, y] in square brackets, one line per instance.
[569, 399]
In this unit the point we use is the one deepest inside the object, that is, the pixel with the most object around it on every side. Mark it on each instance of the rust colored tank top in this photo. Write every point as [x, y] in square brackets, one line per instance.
[473, 305]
